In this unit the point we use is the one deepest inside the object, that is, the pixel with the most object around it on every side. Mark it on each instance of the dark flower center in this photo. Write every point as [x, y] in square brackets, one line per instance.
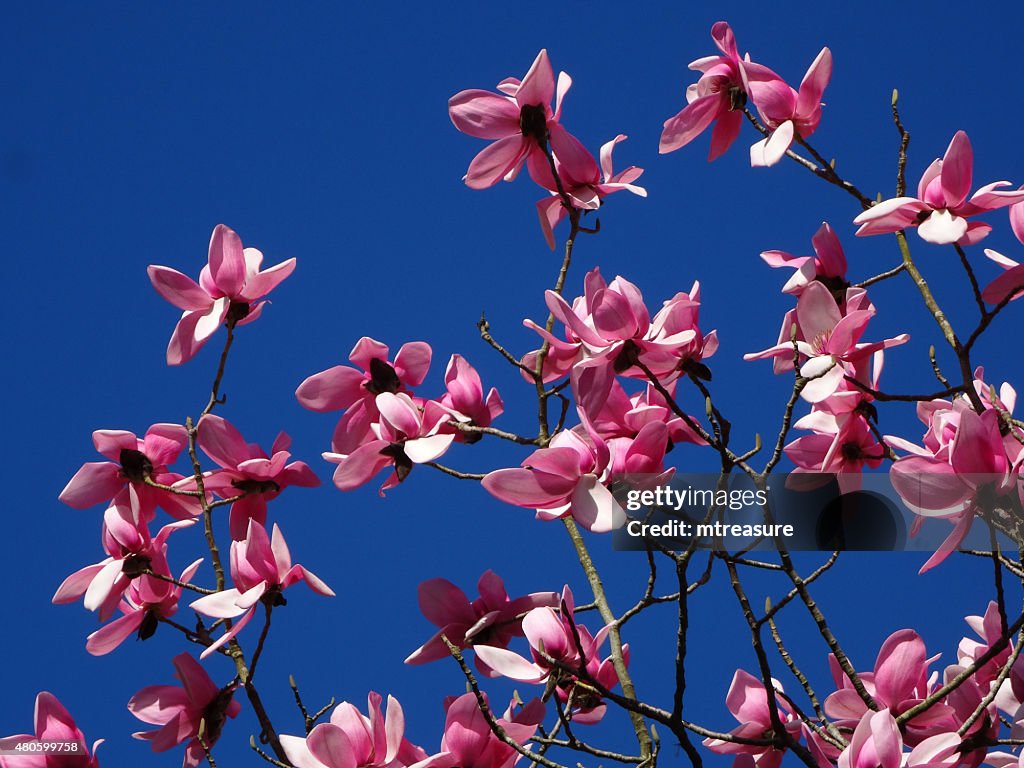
[135, 465]
[134, 566]
[237, 311]
[149, 624]
[851, 451]
[533, 122]
[383, 378]
[403, 464]
[737, 98]
[250, 485]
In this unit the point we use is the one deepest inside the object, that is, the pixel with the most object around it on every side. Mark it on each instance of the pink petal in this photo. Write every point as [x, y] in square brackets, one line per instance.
[180, 290]
[683, 128]
[957, 169]
[496, 160]
[227, 260]
[483, 114]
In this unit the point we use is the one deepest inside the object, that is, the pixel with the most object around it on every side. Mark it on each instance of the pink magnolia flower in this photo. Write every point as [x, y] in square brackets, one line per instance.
[941, 207]
[229, 290]
[827, 266]
[248, 472]
[52, 723]
[876, 743]
[131, 551]
[789, 113]
[552, 635]
[492, 619]
[609, 326]
[132, 462]
[520, 123]
[828, 342]
[587, 186]
[469, 742]
[1011, 281]
[718, 96]
[144, 602]
[840, 445]
[570, 476]
[465, 398]
[747, 700]
[900, 681]
[354, 390]
[406, 433]
[261, 569]
[180, 711]
[623, 416]
[989, 629]
[353, 740]
[962, 467]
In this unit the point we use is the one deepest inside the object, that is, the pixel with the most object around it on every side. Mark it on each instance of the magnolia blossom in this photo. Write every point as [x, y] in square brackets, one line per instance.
[520, 123]
[789, 113]
[586, 185]
[469, 742]
[406, 433]
[839, 445]
[352, 740]
[623, 416]
[552, 634]
[230, 289]
[261, 569]
[609, 327]
[900, 681]
[247, 472]
[570, 476]
[52, 723]
[131, 552]
[718, 96]
[748, 702]
[354, 389]
[133, 461]
[144, 602]
[492, 619]
[965, 463]
[465, 398]
[827, 266]
[180, 712]
[942, 206]
[1011, 282]
[828, 341]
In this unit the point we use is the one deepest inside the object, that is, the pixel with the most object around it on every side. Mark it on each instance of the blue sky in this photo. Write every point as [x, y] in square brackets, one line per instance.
[321, 132]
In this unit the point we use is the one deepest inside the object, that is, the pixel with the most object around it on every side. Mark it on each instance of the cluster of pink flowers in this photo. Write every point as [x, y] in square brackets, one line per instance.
[969, 462]
[52, 723]
[899, 682]
[384, 424]
[524, 129]
[728, 82]
[562, 651]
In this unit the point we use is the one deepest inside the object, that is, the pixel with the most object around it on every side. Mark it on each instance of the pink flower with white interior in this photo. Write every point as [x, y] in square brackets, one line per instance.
[52, 723]
[748, 702]
[942, 206]
[248, 472]
[354, 389]
[827, 266]
[491, 619]
[587, 186]
[133, 461]
[352, 740]
[623, 415]
[406, 433]
[876, 742]
[520, 123]
[828, 343]
[181, 711]
[789, 113]
[261, 569]
[131, 552]
[556, 657]
[144, 602]
[230, 289]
